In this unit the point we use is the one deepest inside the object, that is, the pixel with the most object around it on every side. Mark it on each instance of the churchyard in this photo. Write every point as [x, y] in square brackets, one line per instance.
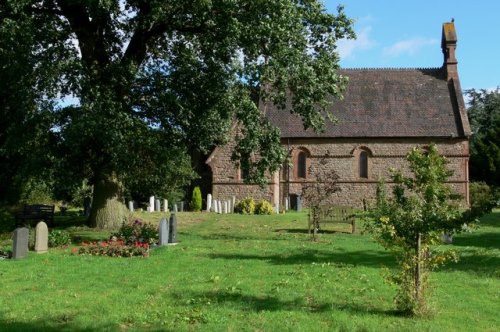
[238, 272]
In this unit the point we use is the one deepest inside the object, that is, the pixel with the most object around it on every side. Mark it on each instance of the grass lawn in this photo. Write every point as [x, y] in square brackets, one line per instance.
[247, 273]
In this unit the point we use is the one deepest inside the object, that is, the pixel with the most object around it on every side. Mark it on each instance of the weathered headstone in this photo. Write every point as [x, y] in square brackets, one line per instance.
[165, 205]
[131, 206]
[182, 206]
[209, 202]
[41, 238]
[175, 208]
[216, 206]
[233, 203]
[157, 205]
[219, 203]
[164, 232]
[229, 207]
[172, 229]
[20, 243]
[226, 207]
[286, 203]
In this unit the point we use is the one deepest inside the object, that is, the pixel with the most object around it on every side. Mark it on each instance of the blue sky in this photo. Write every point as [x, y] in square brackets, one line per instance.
[407, 34]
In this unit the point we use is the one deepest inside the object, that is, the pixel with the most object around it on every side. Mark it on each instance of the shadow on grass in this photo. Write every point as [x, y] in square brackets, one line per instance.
[247, 302]
[489, 240]
[309, 256]
[51, 325]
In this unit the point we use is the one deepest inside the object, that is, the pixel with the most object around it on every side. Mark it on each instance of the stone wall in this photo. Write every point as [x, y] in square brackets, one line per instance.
[342, 156]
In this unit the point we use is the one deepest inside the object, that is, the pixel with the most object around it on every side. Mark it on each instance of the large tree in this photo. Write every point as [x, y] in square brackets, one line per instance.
[159, 81]
[484, 116]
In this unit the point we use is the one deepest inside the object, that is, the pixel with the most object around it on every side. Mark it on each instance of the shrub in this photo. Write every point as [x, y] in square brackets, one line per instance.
[246, 206]
[137, 231]
[482, 197]
[263, 207]
[59, 238]
[196, 199]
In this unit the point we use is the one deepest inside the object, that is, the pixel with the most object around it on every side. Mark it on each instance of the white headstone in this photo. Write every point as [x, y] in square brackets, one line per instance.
[131, 206]
[216, 206]
[209, 202]
[157, 205]
[151, 206]
[226, 207]
[165, 205]
[233, 203]
[286, 204]
[219, 203]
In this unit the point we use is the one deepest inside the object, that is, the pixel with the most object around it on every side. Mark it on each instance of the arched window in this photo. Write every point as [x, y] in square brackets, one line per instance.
[363, 164]
[301, 165]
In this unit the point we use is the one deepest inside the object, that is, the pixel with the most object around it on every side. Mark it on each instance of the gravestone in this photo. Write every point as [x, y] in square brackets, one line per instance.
[151, 206]
[131, 206]
[286, 204]
[165, 205]
[182, 206]
[209, 202]
[157, 205]
[164, 232]
[225, 207]
[233, 204]
[175, 208]
[229, 207]
[41, 238]
[172, 229]
[447, 238]
[219, 203]
[20, 243]
[216, 209]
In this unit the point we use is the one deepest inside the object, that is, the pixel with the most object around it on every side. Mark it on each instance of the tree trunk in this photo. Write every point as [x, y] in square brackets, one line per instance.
[108, 210]
[418, 268]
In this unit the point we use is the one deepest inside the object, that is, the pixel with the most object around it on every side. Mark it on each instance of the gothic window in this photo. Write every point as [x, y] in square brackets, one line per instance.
[301, 165]
[363, 164]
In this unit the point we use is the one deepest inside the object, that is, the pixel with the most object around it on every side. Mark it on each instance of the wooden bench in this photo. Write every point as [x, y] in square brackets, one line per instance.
[39, 212]
[331, 215]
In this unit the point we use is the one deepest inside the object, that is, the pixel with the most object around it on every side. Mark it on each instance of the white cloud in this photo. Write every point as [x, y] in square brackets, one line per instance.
[409, 46]
[347, 47]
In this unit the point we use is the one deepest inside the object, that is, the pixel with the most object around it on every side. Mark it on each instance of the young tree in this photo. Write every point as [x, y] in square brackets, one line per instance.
[410, 222]
[161, 80]
[484, 117]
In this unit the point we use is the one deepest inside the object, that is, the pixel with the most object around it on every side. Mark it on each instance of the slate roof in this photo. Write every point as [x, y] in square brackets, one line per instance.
[388, 103]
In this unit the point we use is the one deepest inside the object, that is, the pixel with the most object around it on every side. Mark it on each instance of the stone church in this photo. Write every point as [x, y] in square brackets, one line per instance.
[384, 114]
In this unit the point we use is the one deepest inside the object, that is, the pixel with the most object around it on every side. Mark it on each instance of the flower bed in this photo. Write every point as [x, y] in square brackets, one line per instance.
[113, 248]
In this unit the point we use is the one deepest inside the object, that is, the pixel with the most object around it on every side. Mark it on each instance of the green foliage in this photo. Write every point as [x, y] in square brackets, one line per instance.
[196, 199]
[484, 117]
[245, 206]
[59, 238]
[482, 197]
[410, 222]
[36, 191]
[138, 231]
[263, 207]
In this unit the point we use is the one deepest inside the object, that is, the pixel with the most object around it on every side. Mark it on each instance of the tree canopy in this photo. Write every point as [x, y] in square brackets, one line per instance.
[159, 80]
[484, 116]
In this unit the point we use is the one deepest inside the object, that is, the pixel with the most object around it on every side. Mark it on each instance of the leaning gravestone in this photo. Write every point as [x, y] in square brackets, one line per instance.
[20, 244]
[172, 229]
[164, 232]
[41, 238]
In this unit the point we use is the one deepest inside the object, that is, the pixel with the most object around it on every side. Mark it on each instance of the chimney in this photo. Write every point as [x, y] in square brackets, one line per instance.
[449, 44]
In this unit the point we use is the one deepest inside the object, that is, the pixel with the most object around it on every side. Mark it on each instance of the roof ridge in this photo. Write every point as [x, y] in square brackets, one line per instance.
[392, 68]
